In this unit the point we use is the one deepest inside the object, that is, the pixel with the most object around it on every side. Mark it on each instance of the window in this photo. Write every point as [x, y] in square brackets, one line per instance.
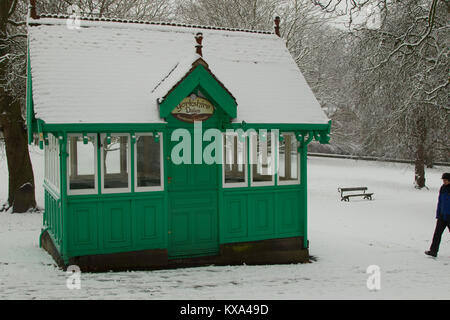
[82, 164]
[51, 156]
[288, 164]
[234, 161]
[148, 162]
[115, 163]
[262, 158]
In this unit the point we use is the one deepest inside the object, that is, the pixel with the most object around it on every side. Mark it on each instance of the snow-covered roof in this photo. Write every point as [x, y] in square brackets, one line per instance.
[107, 72]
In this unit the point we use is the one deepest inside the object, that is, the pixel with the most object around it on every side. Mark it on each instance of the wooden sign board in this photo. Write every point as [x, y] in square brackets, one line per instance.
[193, 109]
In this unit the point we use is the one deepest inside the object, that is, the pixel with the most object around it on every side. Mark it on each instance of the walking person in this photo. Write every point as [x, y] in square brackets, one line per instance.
[442, 215]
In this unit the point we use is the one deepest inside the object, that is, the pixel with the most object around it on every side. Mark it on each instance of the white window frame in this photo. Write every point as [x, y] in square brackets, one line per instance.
[288, 182]
[115, 190]
[83, 191]
[161, 159]
[245, 164]
[252, 155]
[52, 164]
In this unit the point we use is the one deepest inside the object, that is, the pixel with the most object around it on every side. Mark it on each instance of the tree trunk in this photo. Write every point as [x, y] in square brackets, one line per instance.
[21, 181]
[21, 195]
[420, 154]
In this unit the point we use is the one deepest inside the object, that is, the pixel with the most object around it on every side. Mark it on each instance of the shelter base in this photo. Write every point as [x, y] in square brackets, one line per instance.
[272, 251]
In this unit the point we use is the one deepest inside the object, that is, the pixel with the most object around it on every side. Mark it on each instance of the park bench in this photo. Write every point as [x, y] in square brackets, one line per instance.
[346, 197]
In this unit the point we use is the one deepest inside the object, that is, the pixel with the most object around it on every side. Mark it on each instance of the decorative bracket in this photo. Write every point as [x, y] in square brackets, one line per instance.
[156, 137]
[305, 138]
[62, 145]
[85, 138]
[40, 125]
[46, 138]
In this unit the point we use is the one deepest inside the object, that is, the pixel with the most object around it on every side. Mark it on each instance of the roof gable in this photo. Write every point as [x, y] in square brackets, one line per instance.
[179, 84]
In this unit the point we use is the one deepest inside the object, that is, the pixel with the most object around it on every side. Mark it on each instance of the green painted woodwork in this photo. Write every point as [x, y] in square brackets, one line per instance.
[301, 127]
[192, 216]
[153, 127]
[193, 223]
[42, 134]
[254, 215]
[126, 222]
[303, 182]
[288, 221]
[199, 78]
[150, 223]
[31, 126]
[52, 217]
[261, 215]
[116, 223]
[234, 218]
[103, 127]
[62, 138]
[83, 221]
[193, 209]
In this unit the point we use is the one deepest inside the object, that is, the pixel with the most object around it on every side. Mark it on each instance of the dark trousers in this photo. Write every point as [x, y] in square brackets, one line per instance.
[440, 228]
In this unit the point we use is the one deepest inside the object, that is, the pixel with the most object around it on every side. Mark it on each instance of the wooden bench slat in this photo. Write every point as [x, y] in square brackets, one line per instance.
[365, 195]
[352, 189]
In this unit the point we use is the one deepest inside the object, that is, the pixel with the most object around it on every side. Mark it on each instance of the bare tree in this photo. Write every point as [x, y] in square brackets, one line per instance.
[12, 93]
[404, 80]
[243, 14]
[124, 9]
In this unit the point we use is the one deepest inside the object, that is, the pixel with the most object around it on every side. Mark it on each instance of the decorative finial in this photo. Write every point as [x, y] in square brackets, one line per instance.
[277, 26]
[198, 47]
[33, 13]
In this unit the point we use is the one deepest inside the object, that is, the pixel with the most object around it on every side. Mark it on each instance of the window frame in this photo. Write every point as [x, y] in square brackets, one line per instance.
[245, 164]
[102, 177]
[161, 168]
[273, 157]
[288, 182]
[71, 192]
[52, 165]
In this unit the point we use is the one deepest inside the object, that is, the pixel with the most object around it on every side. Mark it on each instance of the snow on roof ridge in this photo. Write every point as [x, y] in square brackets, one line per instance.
[145, 22]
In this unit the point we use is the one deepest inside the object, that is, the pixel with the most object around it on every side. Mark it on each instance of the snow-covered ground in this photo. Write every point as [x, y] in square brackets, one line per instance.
[391, 232]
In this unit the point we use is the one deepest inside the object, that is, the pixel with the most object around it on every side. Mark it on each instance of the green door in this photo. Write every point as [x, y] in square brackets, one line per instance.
[193, 209]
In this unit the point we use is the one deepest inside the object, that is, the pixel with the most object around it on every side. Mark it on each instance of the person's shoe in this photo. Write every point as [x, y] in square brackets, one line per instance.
[430, 253]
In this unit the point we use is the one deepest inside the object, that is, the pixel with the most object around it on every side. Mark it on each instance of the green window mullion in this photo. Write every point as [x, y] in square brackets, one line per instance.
[62, 140]
[99, 163]
[249, 165]
[276, 145]
[303, 180]
[132, 166]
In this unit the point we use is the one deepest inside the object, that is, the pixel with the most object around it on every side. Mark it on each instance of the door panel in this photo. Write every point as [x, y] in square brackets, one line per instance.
[193, 211]
[193, 223]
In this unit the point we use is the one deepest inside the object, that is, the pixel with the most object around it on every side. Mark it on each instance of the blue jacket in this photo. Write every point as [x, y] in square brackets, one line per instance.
[443, 207]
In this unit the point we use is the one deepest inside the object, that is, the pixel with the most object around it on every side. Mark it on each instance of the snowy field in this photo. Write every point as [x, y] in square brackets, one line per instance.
[391, 232]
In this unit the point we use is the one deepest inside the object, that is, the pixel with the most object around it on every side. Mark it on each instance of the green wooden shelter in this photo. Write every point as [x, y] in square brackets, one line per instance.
[169, 145]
